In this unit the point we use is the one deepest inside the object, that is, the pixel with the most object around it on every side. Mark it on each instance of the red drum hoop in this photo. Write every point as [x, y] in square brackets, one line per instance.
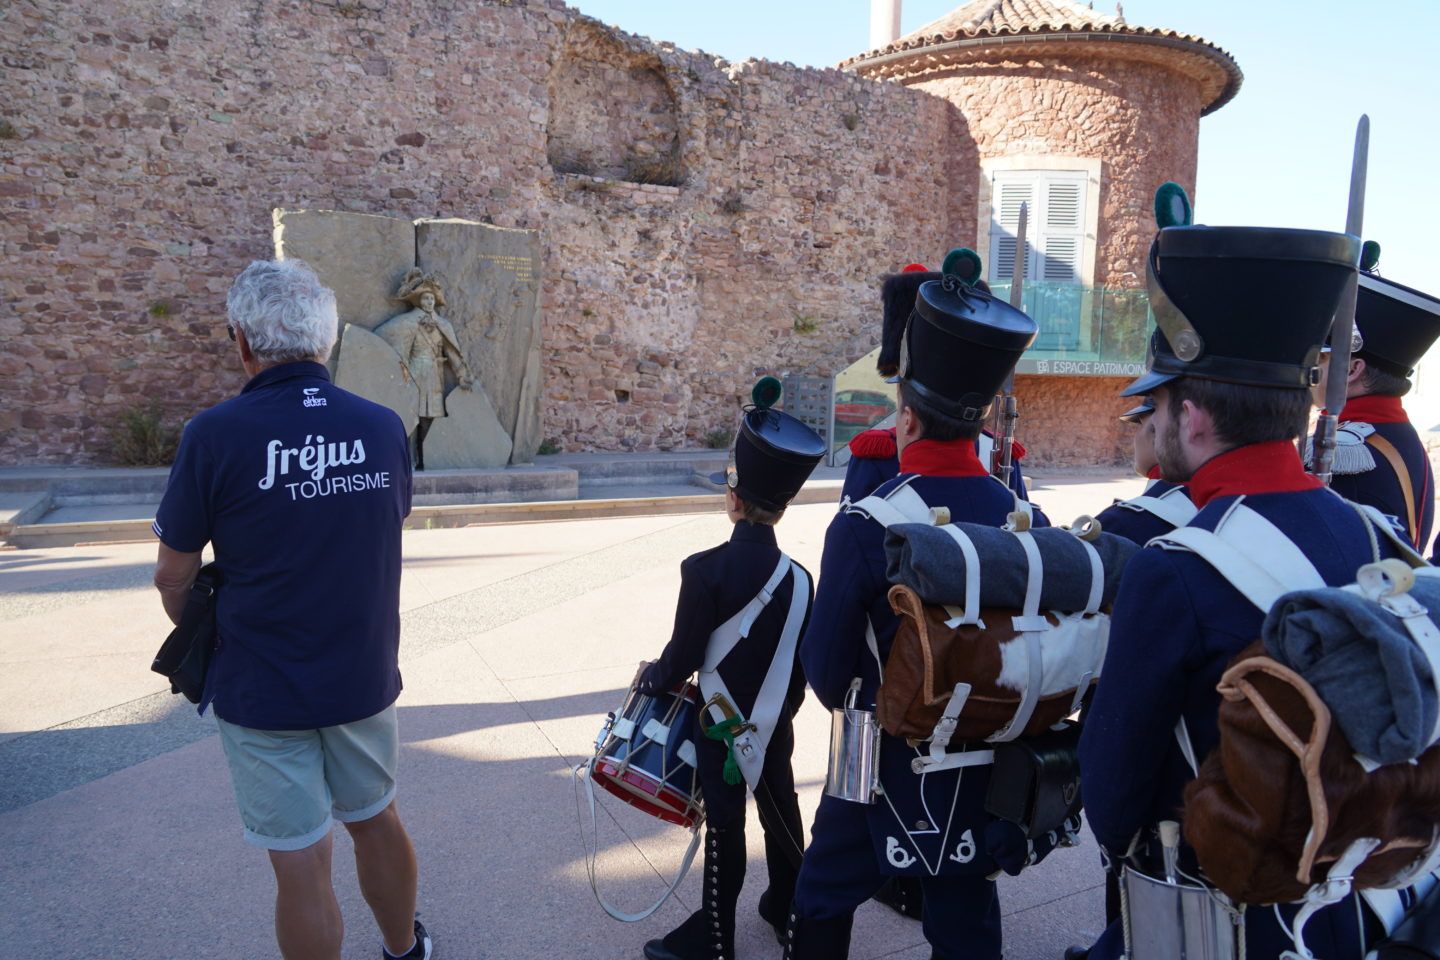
[645, 755]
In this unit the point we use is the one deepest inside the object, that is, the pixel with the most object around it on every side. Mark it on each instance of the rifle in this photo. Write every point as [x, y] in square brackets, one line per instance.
[1343, 329]
[1002, 459]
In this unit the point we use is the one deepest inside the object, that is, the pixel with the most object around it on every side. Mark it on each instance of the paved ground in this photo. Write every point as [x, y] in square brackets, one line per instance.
[118, 836]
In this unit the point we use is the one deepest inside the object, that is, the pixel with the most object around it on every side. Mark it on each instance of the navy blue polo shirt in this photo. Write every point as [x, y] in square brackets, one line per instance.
[302, 489]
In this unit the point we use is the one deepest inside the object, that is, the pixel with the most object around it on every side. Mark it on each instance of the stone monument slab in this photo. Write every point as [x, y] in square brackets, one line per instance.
[492, 283]
[469, 435]
[360, 256]
[368, 366]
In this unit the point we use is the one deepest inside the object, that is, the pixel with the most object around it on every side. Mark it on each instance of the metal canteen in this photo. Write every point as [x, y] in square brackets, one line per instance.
[1169, 920]
[854, 770]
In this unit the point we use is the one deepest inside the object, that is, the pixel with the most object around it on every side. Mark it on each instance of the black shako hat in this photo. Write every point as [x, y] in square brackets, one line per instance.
[1248, 305]
[897, 300]
[774, 454]
[1138, 413]
[1397, 324]
[960, 344]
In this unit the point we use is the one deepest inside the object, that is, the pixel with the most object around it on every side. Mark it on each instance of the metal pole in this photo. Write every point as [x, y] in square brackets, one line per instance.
[1003, 457]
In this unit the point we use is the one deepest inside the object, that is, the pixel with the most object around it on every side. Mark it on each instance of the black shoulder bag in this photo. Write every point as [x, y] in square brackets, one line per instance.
[185, 655]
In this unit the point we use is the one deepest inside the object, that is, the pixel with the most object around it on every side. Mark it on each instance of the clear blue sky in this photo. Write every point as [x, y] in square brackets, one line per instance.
[1277, 155]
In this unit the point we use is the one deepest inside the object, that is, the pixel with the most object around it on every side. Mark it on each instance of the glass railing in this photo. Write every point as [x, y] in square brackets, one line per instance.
[1084, 331]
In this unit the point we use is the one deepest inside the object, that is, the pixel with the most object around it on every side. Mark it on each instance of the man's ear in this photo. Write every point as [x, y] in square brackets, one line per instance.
[1357, 370]
[1195, 422]
[246, 354]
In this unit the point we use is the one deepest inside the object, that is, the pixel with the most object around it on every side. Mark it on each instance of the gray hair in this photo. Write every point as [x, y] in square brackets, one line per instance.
[284, 310]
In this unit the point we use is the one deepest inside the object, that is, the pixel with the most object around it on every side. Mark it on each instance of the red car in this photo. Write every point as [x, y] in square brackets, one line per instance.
[862, 408]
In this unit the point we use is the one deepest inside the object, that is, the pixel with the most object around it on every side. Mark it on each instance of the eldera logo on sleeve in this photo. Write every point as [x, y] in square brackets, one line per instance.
[311, 400]
[313, 459]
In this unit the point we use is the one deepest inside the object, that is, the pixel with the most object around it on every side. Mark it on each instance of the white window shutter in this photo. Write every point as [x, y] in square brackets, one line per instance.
[1011, 189]
[1060, 238]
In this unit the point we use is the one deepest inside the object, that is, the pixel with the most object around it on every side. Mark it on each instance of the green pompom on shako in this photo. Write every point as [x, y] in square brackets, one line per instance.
[1369, 255]
[1172, 206]
[963, 264]
[766, 392]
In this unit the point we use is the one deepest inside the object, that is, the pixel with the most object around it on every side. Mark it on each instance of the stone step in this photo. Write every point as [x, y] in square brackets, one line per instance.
[439, 516]
[21, 508]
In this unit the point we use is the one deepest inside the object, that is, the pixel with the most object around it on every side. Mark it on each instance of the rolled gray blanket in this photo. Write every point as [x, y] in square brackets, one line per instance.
[1363, 663]
[927, 560]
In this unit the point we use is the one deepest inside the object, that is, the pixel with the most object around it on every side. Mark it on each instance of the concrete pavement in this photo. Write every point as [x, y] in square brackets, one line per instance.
[118, 835]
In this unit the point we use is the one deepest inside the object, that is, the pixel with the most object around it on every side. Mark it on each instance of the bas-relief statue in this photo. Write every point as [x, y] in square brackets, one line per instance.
[428, 346]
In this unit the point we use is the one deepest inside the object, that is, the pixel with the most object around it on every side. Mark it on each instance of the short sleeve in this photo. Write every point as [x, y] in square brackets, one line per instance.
[184, 520]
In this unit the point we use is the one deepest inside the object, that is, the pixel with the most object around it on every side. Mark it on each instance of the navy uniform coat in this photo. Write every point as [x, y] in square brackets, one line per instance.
[715, 585]
[1379, 486]
[1139, 526]
[1175, 626]
[852, 592]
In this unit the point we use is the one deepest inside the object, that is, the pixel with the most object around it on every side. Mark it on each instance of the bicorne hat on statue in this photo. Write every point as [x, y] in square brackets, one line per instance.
[774, 454]
[960, 341]
[1397, 324]
[1247, 305]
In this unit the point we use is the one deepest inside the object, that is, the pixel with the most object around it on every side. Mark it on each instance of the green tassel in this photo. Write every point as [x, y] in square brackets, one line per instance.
[766, 392]
[1369, 255]
[725, 730]
[964, 263]
[1172, 206]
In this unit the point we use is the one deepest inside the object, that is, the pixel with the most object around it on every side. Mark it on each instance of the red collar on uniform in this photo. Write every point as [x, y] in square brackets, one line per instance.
[1272, 467]
[1373, 408]
[942, 458]
[1154, 473]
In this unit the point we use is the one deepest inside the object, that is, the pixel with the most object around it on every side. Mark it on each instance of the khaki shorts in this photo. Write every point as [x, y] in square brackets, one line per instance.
[291, 785]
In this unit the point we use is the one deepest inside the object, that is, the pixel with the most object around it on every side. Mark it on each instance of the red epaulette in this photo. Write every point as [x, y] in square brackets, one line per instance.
[874, 445]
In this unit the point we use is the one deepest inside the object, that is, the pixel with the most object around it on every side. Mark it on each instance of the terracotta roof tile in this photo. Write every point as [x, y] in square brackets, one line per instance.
[982, 19]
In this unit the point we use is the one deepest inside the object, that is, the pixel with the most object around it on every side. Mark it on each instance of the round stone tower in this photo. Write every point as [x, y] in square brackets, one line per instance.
[1081, 115]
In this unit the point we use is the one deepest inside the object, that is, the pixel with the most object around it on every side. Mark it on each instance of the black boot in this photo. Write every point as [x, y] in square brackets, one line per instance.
[904, 895]
[814, 939]
[709, 933]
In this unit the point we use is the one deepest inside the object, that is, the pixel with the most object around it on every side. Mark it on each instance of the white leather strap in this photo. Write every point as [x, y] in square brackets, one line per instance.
[1252, 554]
[750, 746]
[970, 615]
[1172, 506]
[1187, 747]
[1334, 888]
[1030, 696]
[724, 637]
[1030, 618]
[945, 726]
[1097, 577]
[901, 505]
[952, 761]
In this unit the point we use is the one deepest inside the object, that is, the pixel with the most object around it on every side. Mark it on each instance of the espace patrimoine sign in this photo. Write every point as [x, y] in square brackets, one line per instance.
[1081, 368]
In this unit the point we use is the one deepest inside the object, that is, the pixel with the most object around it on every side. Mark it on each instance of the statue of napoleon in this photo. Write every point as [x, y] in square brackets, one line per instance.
[427, 345]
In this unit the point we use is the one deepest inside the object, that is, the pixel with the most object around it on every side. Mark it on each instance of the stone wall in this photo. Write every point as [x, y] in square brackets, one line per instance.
[701, 221]
[743, 214]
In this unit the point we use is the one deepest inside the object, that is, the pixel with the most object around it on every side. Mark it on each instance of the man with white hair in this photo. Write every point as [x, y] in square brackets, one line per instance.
[301, 488]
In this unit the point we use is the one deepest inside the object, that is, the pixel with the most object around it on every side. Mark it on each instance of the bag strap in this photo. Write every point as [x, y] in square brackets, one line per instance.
[724, 637]
[1402, 474]
[1251, 553]
[1172, 506]
[970, 614]
[901, 505]
[750, 746]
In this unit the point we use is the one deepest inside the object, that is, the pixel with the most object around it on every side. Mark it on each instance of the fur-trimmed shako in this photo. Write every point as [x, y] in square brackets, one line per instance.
[897, 298]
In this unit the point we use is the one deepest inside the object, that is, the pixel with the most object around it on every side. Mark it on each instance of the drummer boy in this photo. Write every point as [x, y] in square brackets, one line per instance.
[743, 606]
